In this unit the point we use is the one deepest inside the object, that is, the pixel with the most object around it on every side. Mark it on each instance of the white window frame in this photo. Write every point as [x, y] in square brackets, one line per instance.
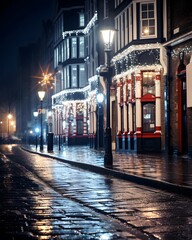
[67, 48]
[81, 20]
[74, 77]
[81, 47]
[64, 77]
[67, 77]
[73, 47]
[148, 19]
[82, 77]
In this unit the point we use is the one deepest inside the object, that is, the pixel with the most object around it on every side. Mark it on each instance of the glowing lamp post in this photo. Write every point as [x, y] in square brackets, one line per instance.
[1, 124]
[35, 114]
[41, 97]
[100, 99]
[9, 117]
[108, 36]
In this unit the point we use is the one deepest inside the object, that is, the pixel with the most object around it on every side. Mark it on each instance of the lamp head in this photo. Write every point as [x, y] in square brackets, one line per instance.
[108, 36]
[41, 95]
[35, 114]
[100, 97]
[9, 116]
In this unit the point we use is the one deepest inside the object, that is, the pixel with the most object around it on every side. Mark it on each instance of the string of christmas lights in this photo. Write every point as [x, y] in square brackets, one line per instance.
[187, 50]
[90, 24]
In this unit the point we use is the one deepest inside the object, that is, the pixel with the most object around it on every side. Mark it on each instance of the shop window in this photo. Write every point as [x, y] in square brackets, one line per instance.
[148, 117]
[148, 83]
[80, 126]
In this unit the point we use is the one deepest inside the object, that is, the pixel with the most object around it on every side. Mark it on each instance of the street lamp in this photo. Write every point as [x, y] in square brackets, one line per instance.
[1, 123]
[108, 35]
[100, 99]
[41, 97]
[9, 117]
[35, 114]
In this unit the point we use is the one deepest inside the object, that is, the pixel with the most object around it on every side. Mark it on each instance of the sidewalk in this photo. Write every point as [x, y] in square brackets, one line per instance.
[172, 173]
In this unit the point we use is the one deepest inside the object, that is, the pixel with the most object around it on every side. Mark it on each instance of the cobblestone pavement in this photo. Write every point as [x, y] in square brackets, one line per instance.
[57, 201]
[29, 209]
[168, 172]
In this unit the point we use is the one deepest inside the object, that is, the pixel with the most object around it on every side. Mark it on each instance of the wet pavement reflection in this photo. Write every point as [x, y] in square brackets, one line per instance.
[30, 209]
[57, 201]
[172, 169]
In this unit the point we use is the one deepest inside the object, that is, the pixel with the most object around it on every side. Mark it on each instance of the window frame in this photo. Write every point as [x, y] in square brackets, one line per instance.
[148, 19]
[74, 47]
[74, 84]
[82, 77]
[152, 119]
[81, 47]
[153, 89]
[81, 19]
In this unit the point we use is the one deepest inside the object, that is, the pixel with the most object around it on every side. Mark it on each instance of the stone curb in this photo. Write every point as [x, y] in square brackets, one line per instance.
[158, 184]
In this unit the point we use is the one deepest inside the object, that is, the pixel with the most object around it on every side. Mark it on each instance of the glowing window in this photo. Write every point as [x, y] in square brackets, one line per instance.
[148, 117]
[148, 21]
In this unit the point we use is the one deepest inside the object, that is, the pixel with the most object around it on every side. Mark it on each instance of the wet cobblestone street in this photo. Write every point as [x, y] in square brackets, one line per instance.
[30, 209]
[43, 198]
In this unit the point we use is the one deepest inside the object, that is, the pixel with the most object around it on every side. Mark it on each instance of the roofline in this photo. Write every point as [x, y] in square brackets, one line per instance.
[178, 40]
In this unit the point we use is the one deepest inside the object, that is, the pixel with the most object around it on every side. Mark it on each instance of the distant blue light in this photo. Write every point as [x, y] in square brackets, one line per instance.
[37, 130]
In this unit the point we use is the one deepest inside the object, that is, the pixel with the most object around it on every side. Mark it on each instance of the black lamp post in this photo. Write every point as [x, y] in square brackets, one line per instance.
[100, 99]
[9, 117]
[41, 96]
[108, 35]
[35, 114]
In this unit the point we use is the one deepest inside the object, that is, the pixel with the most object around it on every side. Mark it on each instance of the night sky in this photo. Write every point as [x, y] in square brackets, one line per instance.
[20, 24]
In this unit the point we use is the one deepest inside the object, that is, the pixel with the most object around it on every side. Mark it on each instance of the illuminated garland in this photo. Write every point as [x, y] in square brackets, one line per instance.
[90, 24]
[187, 50]
[134, 61]
[143, 47]
[93, 78]
[63, 92]
[136, 69]
[67, 103]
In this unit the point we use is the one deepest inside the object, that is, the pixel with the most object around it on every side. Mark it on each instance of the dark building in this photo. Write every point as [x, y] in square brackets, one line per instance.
[69, 101]
[178, 118]
[149, 95]
[137, 99]
[35, 61]
[28, 66]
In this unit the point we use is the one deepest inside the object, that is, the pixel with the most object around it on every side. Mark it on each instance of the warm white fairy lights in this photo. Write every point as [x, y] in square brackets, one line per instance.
[187, 50]
[69, 103]
[135, 58]
[143, 47]
[93, 78]
[138, 69]
[72, 91]
[62, 96]
[82, 31]
[47, 80]
[91, 23]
